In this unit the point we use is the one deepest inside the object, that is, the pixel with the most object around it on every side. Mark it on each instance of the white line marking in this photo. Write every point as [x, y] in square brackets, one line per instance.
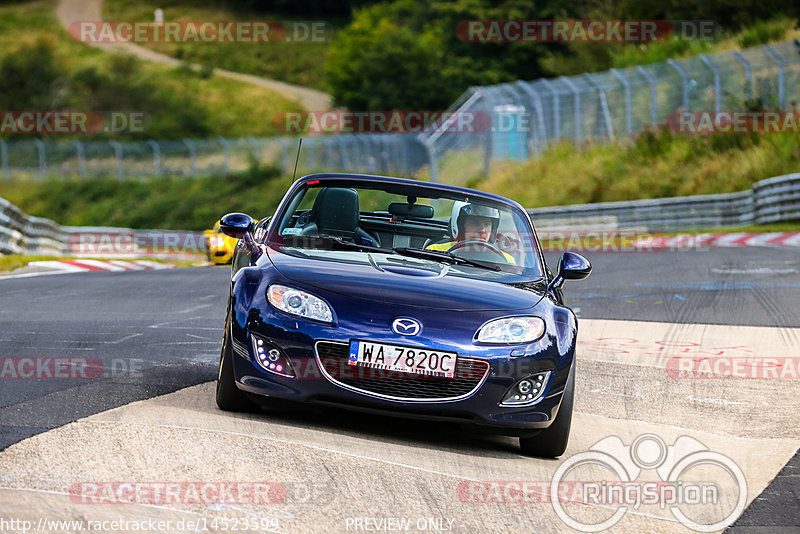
[60, 265]
[715, 401]
[105, 265]
[31, 275]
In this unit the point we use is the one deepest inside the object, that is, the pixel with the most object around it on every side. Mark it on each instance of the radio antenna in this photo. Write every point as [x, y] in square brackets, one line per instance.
[300, 144]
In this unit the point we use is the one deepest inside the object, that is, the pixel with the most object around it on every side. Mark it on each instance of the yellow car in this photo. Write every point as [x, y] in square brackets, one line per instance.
[219, 247]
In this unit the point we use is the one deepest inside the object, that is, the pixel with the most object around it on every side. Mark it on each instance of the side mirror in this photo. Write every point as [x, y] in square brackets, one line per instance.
[571, 266]
[240, 226]
[236, 225]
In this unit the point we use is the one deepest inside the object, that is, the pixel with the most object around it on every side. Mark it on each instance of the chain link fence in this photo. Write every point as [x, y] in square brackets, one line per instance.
[527, 116]
[519, 120]
[401, 154]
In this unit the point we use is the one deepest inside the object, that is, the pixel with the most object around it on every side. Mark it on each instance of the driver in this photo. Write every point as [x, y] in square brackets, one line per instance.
[471, 223]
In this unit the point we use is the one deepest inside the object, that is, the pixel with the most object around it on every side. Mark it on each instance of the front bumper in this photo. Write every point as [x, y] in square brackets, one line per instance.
[299, 341]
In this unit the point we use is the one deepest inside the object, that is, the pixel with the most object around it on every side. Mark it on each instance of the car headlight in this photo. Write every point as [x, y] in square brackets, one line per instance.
[511, 330]
[296, 302]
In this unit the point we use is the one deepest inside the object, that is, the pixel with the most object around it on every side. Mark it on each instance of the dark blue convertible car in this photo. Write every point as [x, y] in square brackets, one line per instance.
[404, 297]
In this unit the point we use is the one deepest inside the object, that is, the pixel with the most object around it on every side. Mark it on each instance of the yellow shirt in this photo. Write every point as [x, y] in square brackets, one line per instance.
[446, 246]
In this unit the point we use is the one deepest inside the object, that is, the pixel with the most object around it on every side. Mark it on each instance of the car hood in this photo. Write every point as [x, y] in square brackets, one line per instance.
[430, 287]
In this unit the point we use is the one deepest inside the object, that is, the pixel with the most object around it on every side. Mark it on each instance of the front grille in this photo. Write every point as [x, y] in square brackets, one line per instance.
[469, 375]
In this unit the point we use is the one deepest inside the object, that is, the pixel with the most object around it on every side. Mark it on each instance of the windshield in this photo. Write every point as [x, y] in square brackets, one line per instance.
[391, 224]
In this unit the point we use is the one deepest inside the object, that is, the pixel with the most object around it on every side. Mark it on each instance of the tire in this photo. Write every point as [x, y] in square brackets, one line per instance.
[229, 397]
[552, 441]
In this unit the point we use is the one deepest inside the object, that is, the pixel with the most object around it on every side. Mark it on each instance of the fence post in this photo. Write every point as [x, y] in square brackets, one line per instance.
[4, 158]
[577, 104]
[358, 153]
[672, 63]
[81, 159]
[118, 153]
[285, 154]
[42, 155]
[226, 147]
[256, 148]
[433, 163]
[653, 94]
[603, 105]
[556, 110]
[487, 143]
[748, 75]
[192, 156]
[717, 96]
[627, 89]
[327, 151]
[343, 149]
[537, 105]
[779, 60]
[156, 157]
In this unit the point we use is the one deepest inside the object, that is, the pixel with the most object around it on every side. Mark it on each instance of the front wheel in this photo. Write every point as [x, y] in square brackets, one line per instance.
[552, 441]
[229, 397]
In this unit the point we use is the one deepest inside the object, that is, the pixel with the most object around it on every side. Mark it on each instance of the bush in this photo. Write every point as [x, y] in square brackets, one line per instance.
[32, 77]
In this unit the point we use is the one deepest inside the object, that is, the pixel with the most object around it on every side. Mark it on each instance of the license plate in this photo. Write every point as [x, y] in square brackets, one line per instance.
[425, 362]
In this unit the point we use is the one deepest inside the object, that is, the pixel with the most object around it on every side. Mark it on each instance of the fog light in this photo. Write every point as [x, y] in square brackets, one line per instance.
[271, 359]
[527, 390]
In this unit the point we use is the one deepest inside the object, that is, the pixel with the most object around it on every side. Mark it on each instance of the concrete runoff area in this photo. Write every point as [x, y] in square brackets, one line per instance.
[338, 466]
[652, 369]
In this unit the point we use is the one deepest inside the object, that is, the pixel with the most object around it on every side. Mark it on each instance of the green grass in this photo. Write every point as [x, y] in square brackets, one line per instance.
[603, 56]
[760, 32]
[16, 261]
[164, 203]
[194, 204]
[653, 165]
[178, 101]
[298, 62]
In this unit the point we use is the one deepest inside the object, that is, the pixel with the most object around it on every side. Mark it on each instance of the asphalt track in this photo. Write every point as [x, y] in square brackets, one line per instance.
[149, 334]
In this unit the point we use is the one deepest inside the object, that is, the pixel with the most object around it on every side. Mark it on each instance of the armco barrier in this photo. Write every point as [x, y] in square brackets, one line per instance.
[769, 201]
[24, 234]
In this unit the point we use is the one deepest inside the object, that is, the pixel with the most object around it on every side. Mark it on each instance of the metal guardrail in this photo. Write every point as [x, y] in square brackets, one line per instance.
[768, 201]
[24, 234]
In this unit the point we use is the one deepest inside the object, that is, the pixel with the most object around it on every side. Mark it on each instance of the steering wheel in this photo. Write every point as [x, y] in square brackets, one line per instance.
[485, 244]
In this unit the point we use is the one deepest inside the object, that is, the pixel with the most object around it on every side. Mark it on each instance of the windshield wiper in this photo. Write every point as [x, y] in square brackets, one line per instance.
[334, 243]
[447, 257]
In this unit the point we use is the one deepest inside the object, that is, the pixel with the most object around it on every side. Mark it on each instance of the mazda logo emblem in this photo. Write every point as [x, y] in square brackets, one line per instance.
[405, 326]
